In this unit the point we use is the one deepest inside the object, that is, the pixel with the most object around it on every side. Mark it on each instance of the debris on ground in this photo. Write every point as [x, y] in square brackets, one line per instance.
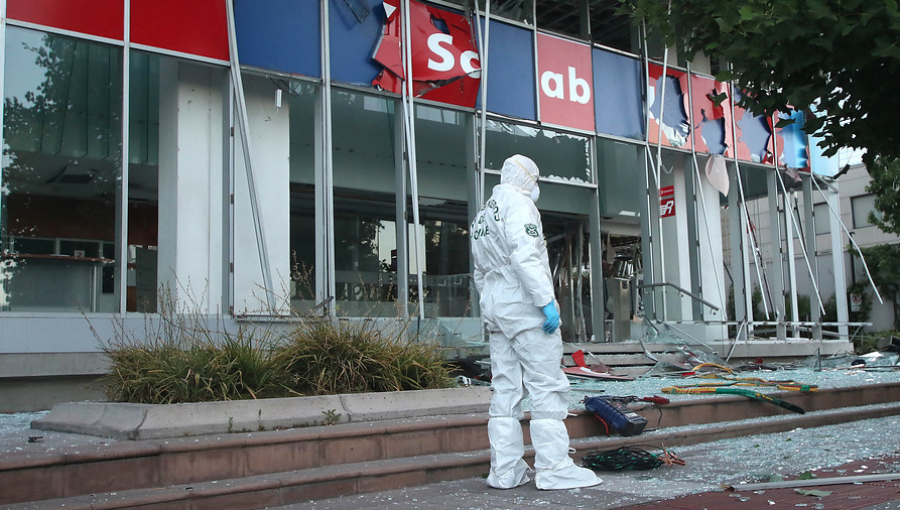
[629, 458]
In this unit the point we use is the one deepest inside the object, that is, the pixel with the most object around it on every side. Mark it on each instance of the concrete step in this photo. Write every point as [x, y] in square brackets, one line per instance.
[252, 470]
[289, 487]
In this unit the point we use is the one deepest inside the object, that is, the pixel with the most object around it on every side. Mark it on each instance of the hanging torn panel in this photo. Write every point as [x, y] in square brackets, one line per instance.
[791, 140]
[710, 116]
[668, 116]
[445, 63]
[753, 134]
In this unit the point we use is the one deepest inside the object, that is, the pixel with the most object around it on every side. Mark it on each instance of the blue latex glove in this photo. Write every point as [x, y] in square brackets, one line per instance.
[552, 315]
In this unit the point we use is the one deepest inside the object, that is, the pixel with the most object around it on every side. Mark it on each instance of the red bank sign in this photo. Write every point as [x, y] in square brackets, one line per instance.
[666, 201]
[565, 79]
[445, 63]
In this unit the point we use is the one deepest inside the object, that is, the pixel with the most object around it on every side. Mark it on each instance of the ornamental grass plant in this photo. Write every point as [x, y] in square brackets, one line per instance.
[179, 358]
[322, 358]
[168, 372]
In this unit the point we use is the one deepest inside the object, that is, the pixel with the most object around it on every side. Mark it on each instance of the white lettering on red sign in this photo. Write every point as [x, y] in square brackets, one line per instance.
[448, 62]
[666, 201]
[666, 207]
[553, 85]
[565, 75]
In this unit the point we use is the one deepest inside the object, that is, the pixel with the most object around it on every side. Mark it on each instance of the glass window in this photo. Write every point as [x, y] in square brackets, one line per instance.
[441, 139]
[365, 236]
[301, 98]
[620, 172]
[561, 157]
[61, 166]
[143, 182]
[862, 206]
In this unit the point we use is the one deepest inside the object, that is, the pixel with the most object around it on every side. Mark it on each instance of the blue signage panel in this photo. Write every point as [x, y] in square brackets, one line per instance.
[617, 95]
[356, 29]
[511, 86]
[282, 35]
[794, 149]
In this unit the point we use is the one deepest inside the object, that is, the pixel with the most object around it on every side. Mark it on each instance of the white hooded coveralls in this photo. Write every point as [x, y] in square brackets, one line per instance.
[512, 275]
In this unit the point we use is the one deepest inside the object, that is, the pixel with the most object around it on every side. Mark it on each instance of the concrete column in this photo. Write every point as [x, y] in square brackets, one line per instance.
[191, 140]
[790, 229]
[598, 295]
[737, 247]
[776, 276]
[270, 160]
[694, 226]
[837, 261]
[675, 238]
[711, 265]
[812, 252]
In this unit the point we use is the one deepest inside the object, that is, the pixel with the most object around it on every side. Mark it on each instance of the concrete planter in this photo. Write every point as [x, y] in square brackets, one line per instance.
[149, 421]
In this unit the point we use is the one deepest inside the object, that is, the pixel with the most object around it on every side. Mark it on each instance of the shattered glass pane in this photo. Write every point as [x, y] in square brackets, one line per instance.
[561, 157]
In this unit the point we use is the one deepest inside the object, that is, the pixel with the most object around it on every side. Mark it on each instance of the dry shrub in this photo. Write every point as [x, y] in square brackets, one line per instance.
[322, 358]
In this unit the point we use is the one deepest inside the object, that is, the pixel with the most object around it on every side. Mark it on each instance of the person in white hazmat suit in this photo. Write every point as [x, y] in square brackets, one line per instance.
[512, 275]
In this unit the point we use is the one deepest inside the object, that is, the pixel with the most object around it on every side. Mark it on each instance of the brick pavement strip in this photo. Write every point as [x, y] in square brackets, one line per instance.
[847, 496]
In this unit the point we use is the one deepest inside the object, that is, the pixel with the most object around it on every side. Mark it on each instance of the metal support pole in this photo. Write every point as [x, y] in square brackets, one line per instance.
[649, 269]
[401, 234]
[757, 256]
[736, 240]
[245, 138]
[409, 109]
[484, 45]
[791, 265]
[121, 271]
[698, 189]
[777, 253]
[325, 272]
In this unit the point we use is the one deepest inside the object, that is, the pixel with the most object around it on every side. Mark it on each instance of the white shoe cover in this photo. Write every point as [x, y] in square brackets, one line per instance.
[555, 470]
[507, 448]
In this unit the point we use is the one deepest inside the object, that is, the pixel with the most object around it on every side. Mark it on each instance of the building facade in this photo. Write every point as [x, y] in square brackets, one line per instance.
[262, 160]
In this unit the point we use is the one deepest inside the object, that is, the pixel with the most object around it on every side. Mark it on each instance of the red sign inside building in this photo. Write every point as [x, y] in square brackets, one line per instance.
[666, 201]
[565, 79]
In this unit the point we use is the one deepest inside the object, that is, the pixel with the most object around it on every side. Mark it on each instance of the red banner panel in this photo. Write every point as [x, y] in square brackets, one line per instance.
[565, 76]
[445, 62]
[103, 18]
[197, 27]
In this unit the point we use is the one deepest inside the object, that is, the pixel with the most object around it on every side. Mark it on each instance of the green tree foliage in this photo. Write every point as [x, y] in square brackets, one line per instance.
[843, 55]
[884, 259]
[884, 264]
[885, 185]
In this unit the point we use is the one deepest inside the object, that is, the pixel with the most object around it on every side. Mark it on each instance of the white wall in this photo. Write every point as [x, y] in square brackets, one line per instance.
[191, 250]
[270, 161]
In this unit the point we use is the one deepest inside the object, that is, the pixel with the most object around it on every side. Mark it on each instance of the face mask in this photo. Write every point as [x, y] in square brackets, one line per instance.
[535, 193]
